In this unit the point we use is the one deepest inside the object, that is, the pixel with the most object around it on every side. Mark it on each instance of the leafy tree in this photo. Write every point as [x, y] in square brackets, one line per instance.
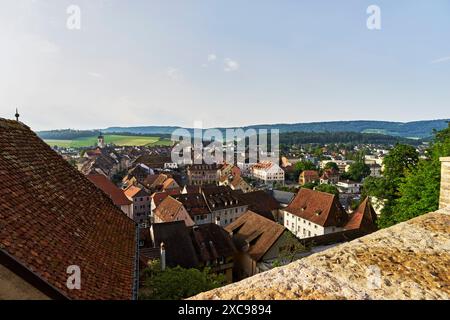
[286, 188]
[328, 188]
[357, 171]
[331, 165]
[309, 185]
[419, 194]
[302, 166]
[118, 177]
[379, 187]
[177, 283]
[399, 160]
[73, 162]
[418, 190]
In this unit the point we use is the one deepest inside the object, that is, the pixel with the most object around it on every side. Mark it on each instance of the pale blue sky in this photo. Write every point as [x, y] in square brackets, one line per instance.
[226, 63]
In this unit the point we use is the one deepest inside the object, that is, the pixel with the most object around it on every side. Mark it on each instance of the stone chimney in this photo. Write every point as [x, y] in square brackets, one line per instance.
[163, 257]
[444, 200]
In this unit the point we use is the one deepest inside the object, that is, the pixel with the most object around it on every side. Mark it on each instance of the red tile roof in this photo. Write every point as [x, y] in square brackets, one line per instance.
[310, 174]
[158, 197]
[256, 231]
[318, 207]
[116, 194]
[133, 191]
[52, 217]
[364, 218]
[168, 209]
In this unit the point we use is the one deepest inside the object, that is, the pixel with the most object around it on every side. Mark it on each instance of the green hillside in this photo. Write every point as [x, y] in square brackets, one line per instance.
[119, 140]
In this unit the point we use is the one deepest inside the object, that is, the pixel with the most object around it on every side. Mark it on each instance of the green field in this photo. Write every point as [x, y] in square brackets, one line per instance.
[118, 140]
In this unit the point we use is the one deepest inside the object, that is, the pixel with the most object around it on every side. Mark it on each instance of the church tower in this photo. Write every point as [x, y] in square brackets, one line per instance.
[101, 141]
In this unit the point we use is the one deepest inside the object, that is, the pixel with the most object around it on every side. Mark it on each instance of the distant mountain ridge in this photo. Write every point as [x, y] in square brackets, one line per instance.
[415, 129]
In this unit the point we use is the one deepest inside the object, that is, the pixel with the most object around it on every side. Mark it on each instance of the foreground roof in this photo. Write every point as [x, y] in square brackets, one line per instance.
[407, 261]
[52, 217]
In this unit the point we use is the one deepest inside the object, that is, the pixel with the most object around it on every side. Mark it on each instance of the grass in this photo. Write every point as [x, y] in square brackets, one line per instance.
[118, 140]
[59, 143]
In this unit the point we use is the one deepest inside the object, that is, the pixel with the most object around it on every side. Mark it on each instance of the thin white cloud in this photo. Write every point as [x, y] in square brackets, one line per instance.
[212, 57]
[174, 73]
[231, 65]
[95, 74]
[440, 60]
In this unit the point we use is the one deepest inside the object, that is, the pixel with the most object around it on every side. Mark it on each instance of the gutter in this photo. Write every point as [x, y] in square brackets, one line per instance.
[21, 270]
[135, 290]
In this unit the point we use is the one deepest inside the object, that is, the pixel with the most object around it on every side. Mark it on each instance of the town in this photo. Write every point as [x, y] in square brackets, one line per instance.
[228, 221]
[238, 219]
[182, 151]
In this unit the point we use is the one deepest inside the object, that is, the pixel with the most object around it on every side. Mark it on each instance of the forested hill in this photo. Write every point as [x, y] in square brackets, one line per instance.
[289, 138]
[416, 129]
[286, 138]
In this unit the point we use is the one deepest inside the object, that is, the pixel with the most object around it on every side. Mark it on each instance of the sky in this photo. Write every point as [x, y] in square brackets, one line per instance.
[223, 63]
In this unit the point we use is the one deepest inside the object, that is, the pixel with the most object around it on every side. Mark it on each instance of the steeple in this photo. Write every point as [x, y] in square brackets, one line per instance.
[17, 115]
[101, 141]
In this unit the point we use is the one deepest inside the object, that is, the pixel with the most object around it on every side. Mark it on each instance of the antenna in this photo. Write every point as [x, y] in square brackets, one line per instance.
[17, 115]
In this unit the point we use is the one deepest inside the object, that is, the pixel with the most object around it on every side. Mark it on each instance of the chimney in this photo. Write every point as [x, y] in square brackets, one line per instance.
[163, 257]
[218, 220]
[444, 200]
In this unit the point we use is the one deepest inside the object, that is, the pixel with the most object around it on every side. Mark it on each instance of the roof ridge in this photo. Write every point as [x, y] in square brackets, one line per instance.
[7, 123]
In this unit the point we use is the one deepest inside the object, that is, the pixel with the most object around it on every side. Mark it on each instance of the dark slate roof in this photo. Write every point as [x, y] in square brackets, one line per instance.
[260, 202]
[283, 197]
[52, 217]
[221, 197]
[211, 242]
[178, 244]
[194, 203]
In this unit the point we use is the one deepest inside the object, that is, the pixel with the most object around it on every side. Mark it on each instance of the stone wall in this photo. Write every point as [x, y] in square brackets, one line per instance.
[407, 261]
[444, 200]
